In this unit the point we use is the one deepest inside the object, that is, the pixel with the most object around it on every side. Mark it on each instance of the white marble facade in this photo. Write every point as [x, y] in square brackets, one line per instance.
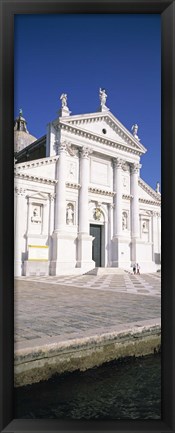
[90, 178]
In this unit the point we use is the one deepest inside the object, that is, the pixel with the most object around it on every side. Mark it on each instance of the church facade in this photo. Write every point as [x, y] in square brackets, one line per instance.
[80, 202]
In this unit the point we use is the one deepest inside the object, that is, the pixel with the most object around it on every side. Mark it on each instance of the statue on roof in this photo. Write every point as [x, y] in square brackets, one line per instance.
[63, 99]
[158, 188]
[134, 130]
[102, 96]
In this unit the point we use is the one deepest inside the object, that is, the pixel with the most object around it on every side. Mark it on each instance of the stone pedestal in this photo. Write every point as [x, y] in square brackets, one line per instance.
[64, 253]
[85, 252]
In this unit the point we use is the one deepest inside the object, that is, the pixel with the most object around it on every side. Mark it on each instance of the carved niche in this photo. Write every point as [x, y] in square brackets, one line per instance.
[70, 212]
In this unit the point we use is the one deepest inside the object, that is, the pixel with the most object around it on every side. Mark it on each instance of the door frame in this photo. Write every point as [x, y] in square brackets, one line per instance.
[102, 242]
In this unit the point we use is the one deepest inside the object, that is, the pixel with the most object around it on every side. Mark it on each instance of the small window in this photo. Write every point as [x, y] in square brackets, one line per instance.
[104, 131]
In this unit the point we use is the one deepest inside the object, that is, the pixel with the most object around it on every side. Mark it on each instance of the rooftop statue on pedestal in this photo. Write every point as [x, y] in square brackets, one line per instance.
[134, 130]
[103, 97]
[63, 99]
[64, 111]
[158, 188]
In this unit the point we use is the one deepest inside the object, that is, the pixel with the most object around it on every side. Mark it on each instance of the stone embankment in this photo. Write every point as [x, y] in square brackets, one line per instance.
[41, 362]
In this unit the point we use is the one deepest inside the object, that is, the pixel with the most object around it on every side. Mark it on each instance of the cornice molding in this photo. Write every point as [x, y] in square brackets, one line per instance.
[33, 178]
[36, 163]
[147, 201]
[149, 190]
[127, 196]
[73, 185]
[101, 191]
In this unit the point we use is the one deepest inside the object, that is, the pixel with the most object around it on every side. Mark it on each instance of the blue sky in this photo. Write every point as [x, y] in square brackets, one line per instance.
[79, 53]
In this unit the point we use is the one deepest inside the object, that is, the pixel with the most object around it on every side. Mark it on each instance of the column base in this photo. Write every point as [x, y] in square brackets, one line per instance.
[84, 250]
[64, 253]
[121, 252]
[142, 254]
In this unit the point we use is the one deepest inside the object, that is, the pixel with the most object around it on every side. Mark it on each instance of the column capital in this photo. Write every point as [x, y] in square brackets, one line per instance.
[62, 147]
[52, 196]
[118, 162]
[85, 151]
[20, 191]
[135, 168]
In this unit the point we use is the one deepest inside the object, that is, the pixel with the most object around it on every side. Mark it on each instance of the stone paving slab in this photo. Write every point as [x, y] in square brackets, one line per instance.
[46, 308]
[87, 318]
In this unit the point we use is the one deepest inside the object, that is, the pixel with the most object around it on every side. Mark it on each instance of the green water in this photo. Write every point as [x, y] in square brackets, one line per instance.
[129, 389]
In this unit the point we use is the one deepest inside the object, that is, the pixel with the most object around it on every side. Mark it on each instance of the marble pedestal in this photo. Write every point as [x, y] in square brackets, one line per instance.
[64, 253]
[84, 252]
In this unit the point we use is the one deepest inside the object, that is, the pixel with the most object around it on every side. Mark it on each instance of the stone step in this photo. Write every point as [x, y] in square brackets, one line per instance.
[106, 271]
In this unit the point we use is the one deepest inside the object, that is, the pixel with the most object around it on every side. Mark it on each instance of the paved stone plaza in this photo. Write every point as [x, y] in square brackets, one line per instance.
[80, 306]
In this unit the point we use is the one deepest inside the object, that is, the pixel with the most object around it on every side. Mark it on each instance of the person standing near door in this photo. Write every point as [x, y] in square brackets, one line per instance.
[138, 269]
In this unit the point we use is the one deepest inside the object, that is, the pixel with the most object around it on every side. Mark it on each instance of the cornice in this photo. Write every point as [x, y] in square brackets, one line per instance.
[93, 136]
[72, 185]
[35, 178]
[149, 190]
[101, 191]
[36, 163]
[144, 200]
[126, 196]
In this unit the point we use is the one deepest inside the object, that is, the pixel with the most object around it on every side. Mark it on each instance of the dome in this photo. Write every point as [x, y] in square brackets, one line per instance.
[22, 138]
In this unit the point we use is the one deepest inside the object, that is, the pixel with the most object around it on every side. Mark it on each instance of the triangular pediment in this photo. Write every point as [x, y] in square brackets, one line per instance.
[146, 192]
[106, 127]
[38, 196]
[44, 167]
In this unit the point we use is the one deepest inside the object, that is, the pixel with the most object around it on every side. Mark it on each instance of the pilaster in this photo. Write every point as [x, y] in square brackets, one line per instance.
[19, 229]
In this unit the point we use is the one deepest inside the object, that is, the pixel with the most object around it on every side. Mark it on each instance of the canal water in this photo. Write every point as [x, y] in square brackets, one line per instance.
[127, 389]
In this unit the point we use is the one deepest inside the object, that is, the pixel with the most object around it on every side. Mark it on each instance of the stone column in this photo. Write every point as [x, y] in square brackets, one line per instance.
[19, 230]
[117, 226]
[83, 198]
[58, 263]
[51, 222]
[51, 213]
[159, 235]
[153, 234]
[134, 188]
[110, 232]
[156, 241]
[84, 239]
[118, 196]
[60, 204]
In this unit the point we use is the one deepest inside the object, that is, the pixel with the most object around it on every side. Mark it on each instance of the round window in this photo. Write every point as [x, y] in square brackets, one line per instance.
[104, 131]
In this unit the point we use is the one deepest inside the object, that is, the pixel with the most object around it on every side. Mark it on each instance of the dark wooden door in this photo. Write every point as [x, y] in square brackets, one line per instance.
[95, 231]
